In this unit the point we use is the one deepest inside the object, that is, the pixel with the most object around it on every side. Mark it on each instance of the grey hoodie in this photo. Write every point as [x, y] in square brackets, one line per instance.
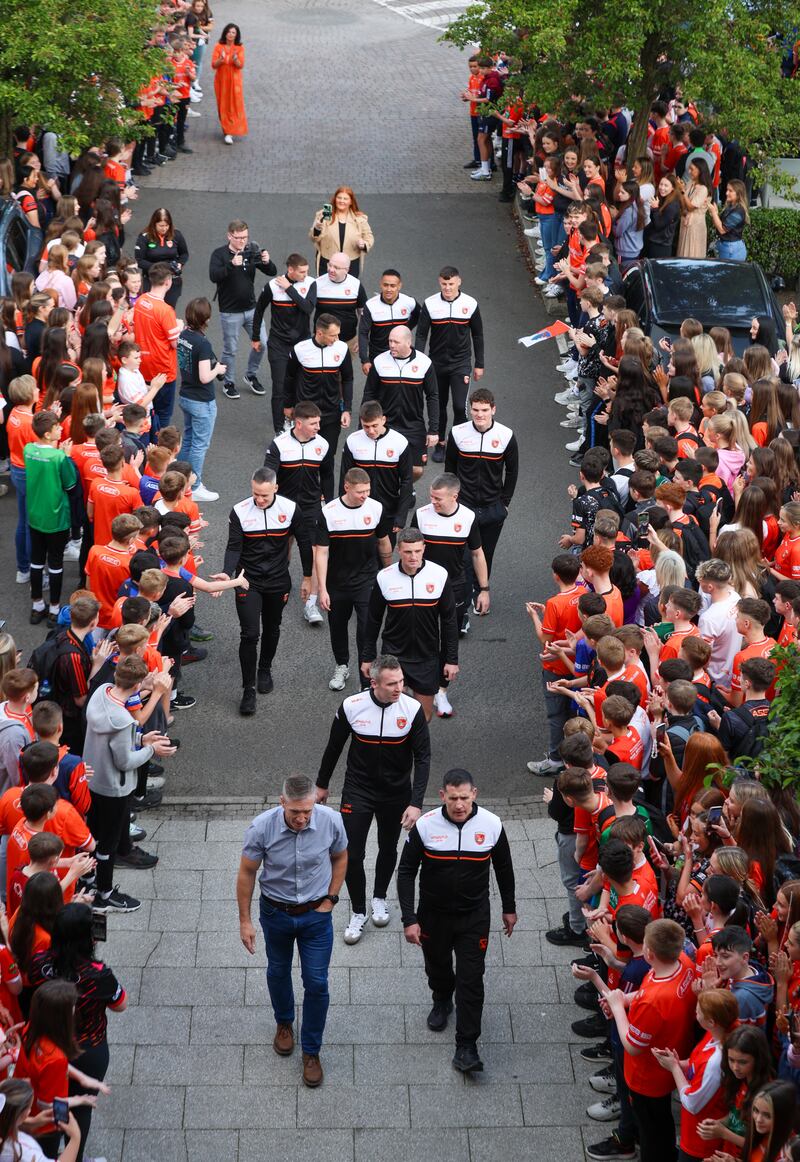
[111, 746]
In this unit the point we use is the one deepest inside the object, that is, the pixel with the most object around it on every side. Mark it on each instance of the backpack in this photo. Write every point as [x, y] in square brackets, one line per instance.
[752, 744]
[695, 545]
[608, 497]
[44, 657]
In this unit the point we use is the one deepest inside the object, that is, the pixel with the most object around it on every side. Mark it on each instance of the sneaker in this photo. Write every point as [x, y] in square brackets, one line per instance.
[312, 613]
[255, 385]
[380, 913]
[193, 112]
[136, 833]
[198, 634]
[599, 1052]
[594, 1026]
[545, 767]
[610, 1148]
[554, 291]
[574, 445]
[247, 706]
[565, 937]
[479, 176]
[117, 901]
[442, 706]
[566, 365]
[586, 996]
[437, 455]
[195, 99]
[182, 701]
[23, 578]
[589, 961]
[465, 627]
[204, 494]
[72, 551]
[147, 800]
[264, 682]
[567, 396]
[540, 280]
[473, 165]
[574, 420]
[228, 139]
[229, 389]
[605, 1081]
[505, 198]
[136, 858]
[184, 149]
[155, 782]
[155, 768]
[437, 1017]
[340, 676]
[531, 232]
[37, 616]
[193, 654]
[607, 1110]
[353, 931]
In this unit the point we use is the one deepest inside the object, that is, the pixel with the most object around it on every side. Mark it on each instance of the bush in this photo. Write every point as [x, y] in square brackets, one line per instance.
[773, 241]
[778, 765]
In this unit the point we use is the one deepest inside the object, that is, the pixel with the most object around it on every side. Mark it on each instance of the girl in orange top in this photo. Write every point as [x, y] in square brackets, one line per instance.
[32, 923]
[787, 555]
[227, 61]
[771, 1122]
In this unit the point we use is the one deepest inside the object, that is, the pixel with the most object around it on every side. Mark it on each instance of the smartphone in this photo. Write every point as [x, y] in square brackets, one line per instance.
[327, 212]
[714, 815]
[176, 742]
[661, 732]
[99, 926]
[60, 1111]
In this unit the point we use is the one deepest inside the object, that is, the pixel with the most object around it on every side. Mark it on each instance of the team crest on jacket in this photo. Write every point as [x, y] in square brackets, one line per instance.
[430, 588]
[367, 520]
[390, 452]
[401, 722]
[403, 311]
[302, 290]
[336, 358]
[479, 837]
[464, 310]
[282, 517]
[347, 290]
[457, 528]
[495, 443]
[413, 367]
[318, 450]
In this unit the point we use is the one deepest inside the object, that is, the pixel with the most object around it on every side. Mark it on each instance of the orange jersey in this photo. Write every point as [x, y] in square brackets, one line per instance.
[787, 555]
[110, 498]
[45, 1067]
[115, 173]
[614, 608]
[672, 646]
[628, 748]
[156, 329]
[19, 427]
[560, 615]
[636, 674]
[106, 569]
[586, 823]
[661, 1015]
[474, 85]
[760, 649]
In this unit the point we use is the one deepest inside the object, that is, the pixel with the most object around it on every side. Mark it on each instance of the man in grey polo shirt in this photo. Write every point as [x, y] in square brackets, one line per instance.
[301, 848]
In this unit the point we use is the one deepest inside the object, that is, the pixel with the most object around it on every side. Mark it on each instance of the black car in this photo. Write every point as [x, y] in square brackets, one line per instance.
[17, 243]
[665, 291]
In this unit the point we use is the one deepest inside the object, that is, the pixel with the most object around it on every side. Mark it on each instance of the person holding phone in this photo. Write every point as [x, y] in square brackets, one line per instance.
[17, 1098]
[340, 226]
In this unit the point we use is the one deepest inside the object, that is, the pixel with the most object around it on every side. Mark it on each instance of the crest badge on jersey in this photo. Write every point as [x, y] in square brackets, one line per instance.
[390, 452]
[414, 367]
[318, 451]
[367, 520]
[404, 310]
[480, 838]
[495, 443]
[430, 588]
[465, 310]
[457, 528]
[401, 722]
[347, 290]
[336, 358]
[282, 517]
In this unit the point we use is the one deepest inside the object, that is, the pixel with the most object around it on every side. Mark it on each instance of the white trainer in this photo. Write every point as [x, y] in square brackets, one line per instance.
[202, 493]
[312, 614]
[380, 913]
[23, 578]
[340, 676]
[442, 706]
[354, 930]
[72, 551]
[228, 139]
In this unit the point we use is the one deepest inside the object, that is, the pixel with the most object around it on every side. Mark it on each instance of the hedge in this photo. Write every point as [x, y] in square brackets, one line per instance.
[773, 241]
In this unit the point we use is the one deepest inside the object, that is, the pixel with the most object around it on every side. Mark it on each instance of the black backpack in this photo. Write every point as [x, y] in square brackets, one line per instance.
[695, 545]
[44, 657]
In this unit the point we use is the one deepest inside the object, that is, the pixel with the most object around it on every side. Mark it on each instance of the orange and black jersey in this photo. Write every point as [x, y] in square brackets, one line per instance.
[377, 320]
[405, 386]
[455, 329]
[323, 375]
[446, 537]
[259, 540]
[296, 463]
[386, 740]
[291, 313]
[453, 860]
[70, 677]
[418, 609]
[98, 990]
[486, 463]
[387, 462]
[343, 300]
[350, 535]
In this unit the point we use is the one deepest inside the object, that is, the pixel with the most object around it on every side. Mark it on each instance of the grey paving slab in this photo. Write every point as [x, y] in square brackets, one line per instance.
[303, 1145]
[221, 950]
[174, 950]
[525, 1063]
[203, 1064]
[131, 980]
[262, 1064]
[218, 916]
[147, 1107]
[406, 1064]
[532, 915]
[221, 1145]
[145, 1145]
[217, 885]
[185, 830]
[374, 1105]
[174, 915]
[129, 949]
[438, 1106]
[197, 857]
[520, 985]
[496, 1025]
[120, 1068]
[150, 1026]
[192, 986]
[105, 1142]
[132, 921]
[502, 1144]
[521, 948]
[229, 1025]
[545, 1023]
[551, 1105]
[367, 1025]
[374, 948]
[227, 1107]
[158, 884]
[389, 1146]
[389, 986]
[226, 830]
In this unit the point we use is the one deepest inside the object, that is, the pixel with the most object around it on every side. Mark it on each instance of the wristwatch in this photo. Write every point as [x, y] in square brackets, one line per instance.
[484, 589]
[333, 899]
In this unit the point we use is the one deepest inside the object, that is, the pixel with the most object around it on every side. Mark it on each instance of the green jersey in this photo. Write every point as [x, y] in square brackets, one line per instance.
[49, 473]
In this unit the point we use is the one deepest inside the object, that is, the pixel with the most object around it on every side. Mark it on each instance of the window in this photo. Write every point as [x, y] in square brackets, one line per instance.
[15, 247]
[634, 293]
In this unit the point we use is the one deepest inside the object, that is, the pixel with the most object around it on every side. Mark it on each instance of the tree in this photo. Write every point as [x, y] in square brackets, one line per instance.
[778, 764]
[74, 66]
[722, 52]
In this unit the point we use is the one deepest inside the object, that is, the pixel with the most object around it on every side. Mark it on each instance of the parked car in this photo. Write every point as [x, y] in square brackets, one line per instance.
[18, 243]
[665, 291]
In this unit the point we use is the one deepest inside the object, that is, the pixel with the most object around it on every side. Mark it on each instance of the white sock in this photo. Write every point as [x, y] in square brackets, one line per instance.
[38, 606]
[312, 600]
[485, 167]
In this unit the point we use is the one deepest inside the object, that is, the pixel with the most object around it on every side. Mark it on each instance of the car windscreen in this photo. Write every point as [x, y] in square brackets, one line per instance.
[725, 293]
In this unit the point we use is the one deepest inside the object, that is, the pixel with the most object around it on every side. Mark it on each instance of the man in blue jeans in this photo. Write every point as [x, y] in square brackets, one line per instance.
[232, 268]
[301, 849]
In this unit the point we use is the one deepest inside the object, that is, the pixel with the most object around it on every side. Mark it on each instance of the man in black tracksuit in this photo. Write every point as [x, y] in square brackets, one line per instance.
[320, 369]
[452, 849]
[388, 738]
[232, 268]
[403, 380]
[385, 455]
[453, 321]
[292, 298]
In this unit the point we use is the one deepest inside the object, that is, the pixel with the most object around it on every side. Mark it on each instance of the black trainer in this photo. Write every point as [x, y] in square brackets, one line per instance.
[587, 997]
[247, 706]
[255, 385]
[594, 1026]
[137, 857]
[437, 455]
[264, 683]
[599, 1052]
[610, 1148]
[229, 389]
[589, 961]
[466, 1059]
[182, 702]
[565, 937]
[437, 1017]
[146, 801]
[117, 901]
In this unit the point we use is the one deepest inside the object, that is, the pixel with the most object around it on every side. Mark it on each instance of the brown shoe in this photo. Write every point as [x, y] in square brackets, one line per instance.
[312, 1070]
[283, 1044]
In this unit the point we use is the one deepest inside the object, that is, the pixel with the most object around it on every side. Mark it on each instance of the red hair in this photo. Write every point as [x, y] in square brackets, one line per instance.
[351, 195]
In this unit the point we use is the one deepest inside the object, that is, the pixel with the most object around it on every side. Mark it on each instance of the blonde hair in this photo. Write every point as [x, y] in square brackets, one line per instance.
[716, 400]
[744, 437]
[740, 549]
[724, 428]
[735, 385]
[8, 654]
[670, 569]
[707, 356]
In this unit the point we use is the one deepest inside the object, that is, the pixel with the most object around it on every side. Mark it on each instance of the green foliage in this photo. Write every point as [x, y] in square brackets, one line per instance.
[73, 65]
[718, 51]
[773, 241]
[778, 765]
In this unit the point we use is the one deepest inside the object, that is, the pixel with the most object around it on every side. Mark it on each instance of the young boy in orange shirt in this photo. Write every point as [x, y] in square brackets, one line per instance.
[107, 566]
[110, 497]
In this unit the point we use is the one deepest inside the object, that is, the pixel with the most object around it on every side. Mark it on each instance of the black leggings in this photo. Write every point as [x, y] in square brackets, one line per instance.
[109, 819]
[259, 616]
[357, 822]
[49, 548]
[94, 1063]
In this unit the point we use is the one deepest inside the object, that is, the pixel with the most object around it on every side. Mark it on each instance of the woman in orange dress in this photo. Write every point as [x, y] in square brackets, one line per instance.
[227, 62]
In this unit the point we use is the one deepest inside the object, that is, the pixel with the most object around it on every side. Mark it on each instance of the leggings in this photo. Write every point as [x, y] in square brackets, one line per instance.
[109, 820]
[49, 548]
[259, 616]
[357, 822]
[94, 1063]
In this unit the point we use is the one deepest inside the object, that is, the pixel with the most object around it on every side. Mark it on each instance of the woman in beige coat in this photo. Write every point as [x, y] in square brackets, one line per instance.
[348, 231]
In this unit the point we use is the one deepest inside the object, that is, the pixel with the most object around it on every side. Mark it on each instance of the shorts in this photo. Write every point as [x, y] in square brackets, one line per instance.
[418, 447]
[421, 677]
[488, 124]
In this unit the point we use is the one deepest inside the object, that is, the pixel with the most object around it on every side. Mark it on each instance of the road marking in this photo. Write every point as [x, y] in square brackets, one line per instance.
[432, 13]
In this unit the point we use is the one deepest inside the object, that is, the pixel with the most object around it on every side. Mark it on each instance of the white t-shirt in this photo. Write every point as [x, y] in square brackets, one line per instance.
[717, 625]
[132, 387]
[29, 1148]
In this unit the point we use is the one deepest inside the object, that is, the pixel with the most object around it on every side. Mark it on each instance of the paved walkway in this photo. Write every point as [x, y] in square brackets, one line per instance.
[192, 1064]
